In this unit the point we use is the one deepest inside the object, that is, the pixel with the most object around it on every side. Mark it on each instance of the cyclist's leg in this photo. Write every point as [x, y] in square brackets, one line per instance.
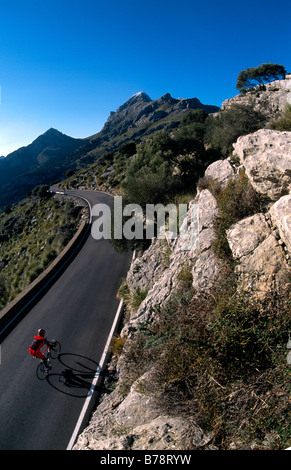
[41, 356]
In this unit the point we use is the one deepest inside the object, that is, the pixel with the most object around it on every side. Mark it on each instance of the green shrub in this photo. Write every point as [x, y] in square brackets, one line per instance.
[185, 276]
[284, 122]
[225, 128]
[117, 345]
[32, 234]
[219, 360]
[127, 149]
[132, 297]
[235, 201]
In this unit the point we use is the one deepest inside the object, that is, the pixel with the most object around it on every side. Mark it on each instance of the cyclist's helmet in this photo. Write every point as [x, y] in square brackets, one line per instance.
[41, 332]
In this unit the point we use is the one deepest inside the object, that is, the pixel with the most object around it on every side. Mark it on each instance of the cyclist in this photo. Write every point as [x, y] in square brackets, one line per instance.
[35, 348]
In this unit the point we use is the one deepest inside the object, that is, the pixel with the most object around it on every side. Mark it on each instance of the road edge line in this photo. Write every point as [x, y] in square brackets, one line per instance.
[95, 380]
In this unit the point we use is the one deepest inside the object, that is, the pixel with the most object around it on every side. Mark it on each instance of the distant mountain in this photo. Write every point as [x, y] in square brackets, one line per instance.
[1, 157]
[38, 163]
[140, 112]
[140, 116]
[49, 156]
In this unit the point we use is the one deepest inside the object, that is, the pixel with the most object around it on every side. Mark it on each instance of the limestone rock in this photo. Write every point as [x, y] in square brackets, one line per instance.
[165, 278]
[148, 268]
[205, 271]
[260, 271]
[281, 217]
[220, 171]
[208, 209]
[245, 236]
[135, 424]
[270, 99]
[266, 157]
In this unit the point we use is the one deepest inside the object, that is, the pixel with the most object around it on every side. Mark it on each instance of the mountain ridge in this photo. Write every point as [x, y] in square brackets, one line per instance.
[53, 153]
[34, 164]
[141, 110]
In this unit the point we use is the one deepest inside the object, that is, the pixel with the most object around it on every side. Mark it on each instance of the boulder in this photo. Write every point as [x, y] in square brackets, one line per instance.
[246, 235]
[266, 157]
[220, 171]
[281, 217]
[260, 272]
[208, 209]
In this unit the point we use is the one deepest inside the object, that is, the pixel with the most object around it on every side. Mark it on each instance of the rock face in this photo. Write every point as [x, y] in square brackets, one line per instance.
[260, 245]
[245, 236]
[122, 428]
[281, 217]
[269, 99]
[266, 157]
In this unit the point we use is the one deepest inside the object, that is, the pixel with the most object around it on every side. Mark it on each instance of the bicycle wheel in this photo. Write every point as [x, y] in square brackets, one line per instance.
[41, 371]
[55, 350]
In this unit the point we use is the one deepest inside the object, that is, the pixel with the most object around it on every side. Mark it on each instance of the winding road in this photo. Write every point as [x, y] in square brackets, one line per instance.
[78, 310]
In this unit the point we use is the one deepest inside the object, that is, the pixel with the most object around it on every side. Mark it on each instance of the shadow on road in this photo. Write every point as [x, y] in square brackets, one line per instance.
[76, 376]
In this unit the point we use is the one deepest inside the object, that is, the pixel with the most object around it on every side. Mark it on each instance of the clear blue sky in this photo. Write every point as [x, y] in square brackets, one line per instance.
[68, 63]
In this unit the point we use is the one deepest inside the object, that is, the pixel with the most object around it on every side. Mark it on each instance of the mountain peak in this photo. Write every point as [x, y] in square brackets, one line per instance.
[52, 131]
[139, 115]
[141, 95]
[167, 98]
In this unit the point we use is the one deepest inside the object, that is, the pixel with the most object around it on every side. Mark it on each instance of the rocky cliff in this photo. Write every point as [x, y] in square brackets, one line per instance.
[139, 113]
[270, 99]
[260, 246]
[133, 416]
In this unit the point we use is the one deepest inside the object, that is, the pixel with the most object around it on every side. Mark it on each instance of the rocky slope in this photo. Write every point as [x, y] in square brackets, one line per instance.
[51, 155]
[40, 162]
[130, 415]
[270, 99]
[260, 246]
[140, 116]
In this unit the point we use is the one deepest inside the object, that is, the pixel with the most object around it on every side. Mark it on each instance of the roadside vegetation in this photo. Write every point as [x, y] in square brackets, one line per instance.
[235, 201]
[32, 234]
[220, 361]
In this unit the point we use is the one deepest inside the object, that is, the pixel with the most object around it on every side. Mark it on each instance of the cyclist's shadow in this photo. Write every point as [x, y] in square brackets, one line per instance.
[76, 375]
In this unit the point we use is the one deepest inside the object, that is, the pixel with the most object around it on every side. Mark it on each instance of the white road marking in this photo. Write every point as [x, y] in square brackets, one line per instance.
[95, 380]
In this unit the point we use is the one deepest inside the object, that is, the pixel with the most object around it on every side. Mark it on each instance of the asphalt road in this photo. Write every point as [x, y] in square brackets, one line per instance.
[78, 310]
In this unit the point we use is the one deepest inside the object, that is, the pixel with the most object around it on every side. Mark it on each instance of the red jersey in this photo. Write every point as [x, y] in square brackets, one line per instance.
[38, 342]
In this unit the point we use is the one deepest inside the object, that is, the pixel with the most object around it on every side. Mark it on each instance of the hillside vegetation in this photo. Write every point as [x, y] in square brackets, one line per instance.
[200, 361]
[32, 234]
[43, 161]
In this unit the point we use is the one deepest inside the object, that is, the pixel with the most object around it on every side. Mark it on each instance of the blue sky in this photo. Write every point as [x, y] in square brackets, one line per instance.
[68, 63]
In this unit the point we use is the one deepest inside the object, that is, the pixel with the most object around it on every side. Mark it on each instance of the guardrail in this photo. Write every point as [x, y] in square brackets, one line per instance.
[21, 305]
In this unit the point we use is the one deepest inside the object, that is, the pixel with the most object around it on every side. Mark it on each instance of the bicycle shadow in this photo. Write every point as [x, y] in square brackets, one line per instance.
[76, 376]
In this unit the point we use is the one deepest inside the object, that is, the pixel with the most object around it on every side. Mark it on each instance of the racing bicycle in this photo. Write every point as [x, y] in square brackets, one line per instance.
[52, 351]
